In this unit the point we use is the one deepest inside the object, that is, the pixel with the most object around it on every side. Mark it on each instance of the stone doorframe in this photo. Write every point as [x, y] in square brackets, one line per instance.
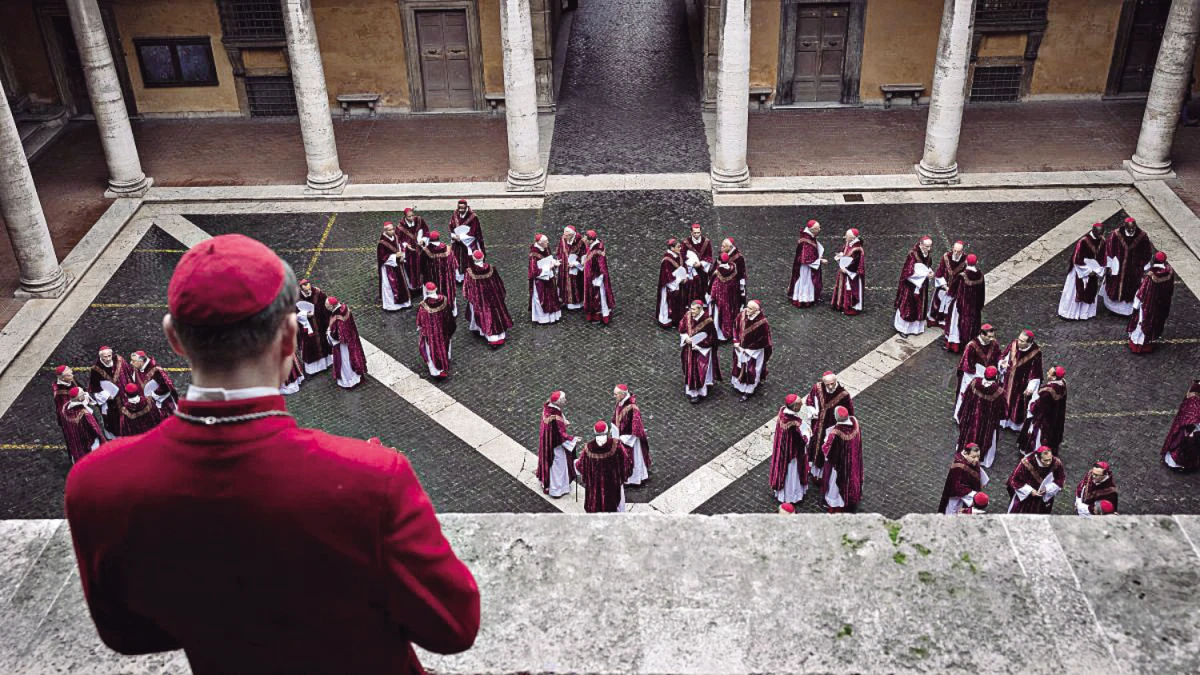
[46, 10]
[412, 49]
[852, 66]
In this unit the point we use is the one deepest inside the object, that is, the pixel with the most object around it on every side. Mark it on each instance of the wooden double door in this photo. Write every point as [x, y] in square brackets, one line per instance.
[1139, 37]
[446, 67]
[814, 62]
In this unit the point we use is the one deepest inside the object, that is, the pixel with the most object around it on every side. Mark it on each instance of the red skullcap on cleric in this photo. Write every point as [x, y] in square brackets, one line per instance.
[959, 243]
[980, 499]
[538, 237]
[1059, 371]
[430, 286]
[841, 411]
[1027, 333]
[555, 395]
[131, 388]
[1044, 448]
[697, 303]
[1129, 219]
[388, 222]
[791, 399]
[74, 391]
[1102, 465]
[224, 280]
[435, 235]
[303, 281]
[408, 210]
[787, 508]
[601, 427]
[1106, 507]
[986, 326]
[59, 370]
[462, 201]
[622, 387]
[724, 257]
[478, 255]
[972, 259]
[140, 354]
[1160, 257]
[591, 234]
[695, 226]
[854, 231]
[671, 242]
[968, 446]
[827, 373]
[105, 348]
[811, 223]
[1098, 225]
[990, 372]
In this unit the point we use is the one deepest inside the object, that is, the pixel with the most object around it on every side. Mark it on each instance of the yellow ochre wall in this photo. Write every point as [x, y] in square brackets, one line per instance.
[899, 44]
[362, 49]
[175, 18]
[25, 48]
[764, 43]
[1078, 48]
[493, 49]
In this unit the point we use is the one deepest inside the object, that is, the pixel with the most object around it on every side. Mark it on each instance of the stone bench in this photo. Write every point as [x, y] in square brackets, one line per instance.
[760, 95]
[494, 101]
[349, 100]
[891, 90]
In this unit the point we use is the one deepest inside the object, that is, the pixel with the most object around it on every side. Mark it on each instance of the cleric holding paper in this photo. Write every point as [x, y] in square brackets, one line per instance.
[253, 544]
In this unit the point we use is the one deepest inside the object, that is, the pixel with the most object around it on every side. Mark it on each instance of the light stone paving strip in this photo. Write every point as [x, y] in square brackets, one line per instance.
[755, 448]
[469, 427]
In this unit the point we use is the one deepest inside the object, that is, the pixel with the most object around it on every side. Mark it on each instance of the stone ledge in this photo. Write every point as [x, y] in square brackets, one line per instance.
[741, 594]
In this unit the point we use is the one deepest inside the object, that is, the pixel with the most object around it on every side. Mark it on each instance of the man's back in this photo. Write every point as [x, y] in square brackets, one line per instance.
[261, 547]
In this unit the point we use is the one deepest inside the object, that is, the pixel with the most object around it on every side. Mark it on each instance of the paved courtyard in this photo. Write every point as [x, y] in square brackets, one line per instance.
[1120, 405]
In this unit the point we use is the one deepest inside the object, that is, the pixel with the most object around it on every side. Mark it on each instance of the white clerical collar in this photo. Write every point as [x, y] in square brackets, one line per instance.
[808, 231]
[956, 256]
[852, 242]
[1130, 232]
[593, 244]
[66, 383]
[752, 316]
[196, 393]
[390, 237]
[1025, 348]
[554, 405]
[78, 404]
[133, 399]
[602, 439]
[847, 422]
[145, 364]
[538, 246]
[623, 400]
[697, 239]
[789, 411]
[109, 364]
[972, 268]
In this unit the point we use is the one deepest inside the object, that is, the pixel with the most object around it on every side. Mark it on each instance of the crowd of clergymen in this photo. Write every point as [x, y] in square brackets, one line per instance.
[817, 441]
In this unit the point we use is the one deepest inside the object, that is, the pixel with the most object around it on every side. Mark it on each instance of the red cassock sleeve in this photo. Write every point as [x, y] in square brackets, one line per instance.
[431, 593]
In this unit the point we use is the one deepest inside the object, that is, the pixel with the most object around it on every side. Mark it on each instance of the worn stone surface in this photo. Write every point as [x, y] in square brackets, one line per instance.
[743, 594]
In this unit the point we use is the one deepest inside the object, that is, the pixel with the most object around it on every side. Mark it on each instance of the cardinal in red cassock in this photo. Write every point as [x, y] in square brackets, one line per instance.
[698, 259]
[393, 286]
[486, 301]
[570, 253]
[544, 272]
[952, 263]
[64, 382]
[1021, 375]
[1181, 450]
[556, 448]
[983, 408]
[1097, 486]
[106, 380]
[805, 286]
[752, 348]
[850, 282]
[138, 414]
[673, 286]
[968, 293]
[349, 359]
[697, 352]
[436, 325]
[1047, 413]
[965, 480]
[789, 462]
[1127, 250]
[1151, 306]
[413, 234]
[314, 323]
[980, 353]
[295, 376]
[154, 382]
[627, 427]
[598, 299]
[603, 468]
[912, 291]
[1081, 290]
[824, 398]
[81, 424]
[1035, 481]
[466, 237]
[840, 465]
[440, 267]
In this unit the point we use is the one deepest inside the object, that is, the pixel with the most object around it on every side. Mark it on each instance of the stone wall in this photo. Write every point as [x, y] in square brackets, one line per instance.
[740, 594]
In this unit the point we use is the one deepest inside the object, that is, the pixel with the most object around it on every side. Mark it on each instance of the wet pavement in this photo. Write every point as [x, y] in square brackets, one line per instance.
[630, 101]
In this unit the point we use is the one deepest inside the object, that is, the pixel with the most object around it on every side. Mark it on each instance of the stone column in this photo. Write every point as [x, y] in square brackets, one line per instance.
[125, 175]
[520, 97]
[1171, 72]
[939, 164]
[733, 96]
[41, 275]
[312, 98]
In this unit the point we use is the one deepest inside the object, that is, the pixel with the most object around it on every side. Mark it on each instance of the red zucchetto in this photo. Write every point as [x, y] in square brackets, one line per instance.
[224, 280]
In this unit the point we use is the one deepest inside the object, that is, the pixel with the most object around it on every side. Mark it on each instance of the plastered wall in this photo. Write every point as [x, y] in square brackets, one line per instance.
[493, 48]
[764, 43]
[362, 49]
[899, 44]
[1078, 47]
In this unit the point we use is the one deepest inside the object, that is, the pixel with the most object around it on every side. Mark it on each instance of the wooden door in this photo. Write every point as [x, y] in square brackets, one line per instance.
[1145, 36]
[820, 52]
[445, 60]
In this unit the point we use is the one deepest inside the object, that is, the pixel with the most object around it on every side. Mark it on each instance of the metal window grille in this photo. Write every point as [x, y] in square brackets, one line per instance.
[993, 12]
[271, 96]
[996, 83]
[252, 19]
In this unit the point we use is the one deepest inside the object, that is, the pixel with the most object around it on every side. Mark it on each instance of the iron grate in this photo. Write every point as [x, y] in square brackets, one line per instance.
[1001, 12]
[996, 83]
[271, 96]
[251, 19]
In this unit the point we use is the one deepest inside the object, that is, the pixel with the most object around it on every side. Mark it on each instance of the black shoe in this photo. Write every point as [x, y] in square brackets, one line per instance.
[744, 397]
[694, 399]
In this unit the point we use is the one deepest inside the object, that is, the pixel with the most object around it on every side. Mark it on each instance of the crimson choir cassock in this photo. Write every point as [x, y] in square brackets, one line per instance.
[436, 326]
[570, 253]
[1127, 250]
[105, 384]
[983, 408]
[912, 292]
[698, 354]
[486, 302]
[603, 468]
[949, 267]
[1151, 306]
[62, 393]
[413, 233]
[138, 414]
[1031, 475]
[975, 360]
[466, 236]
[699, 263]
[804, 289]
[1093, 489]
[544, 303]
[598, 301]
[393, 286]
[82, 428]
[752, 348]
[968, 293]
[850, 282]
[1046, 418]
[840, 466]
[673, 287]
[825, 402]
[1181, 450]
[1021, 374]
[156, 384]
[726, 296]
[962, 482]
[627, 427]
[439, 266]
[349, 359]
[789, 463]
[295, 376]
[314, 347]
[556, 452]
[1081, 290]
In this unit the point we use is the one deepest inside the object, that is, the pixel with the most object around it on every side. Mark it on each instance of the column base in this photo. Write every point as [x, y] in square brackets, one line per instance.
[930, 175]
[52, 287]
[326, 186]
[130, 189]
[526, 182]
[1148, 171]
[730, 179]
